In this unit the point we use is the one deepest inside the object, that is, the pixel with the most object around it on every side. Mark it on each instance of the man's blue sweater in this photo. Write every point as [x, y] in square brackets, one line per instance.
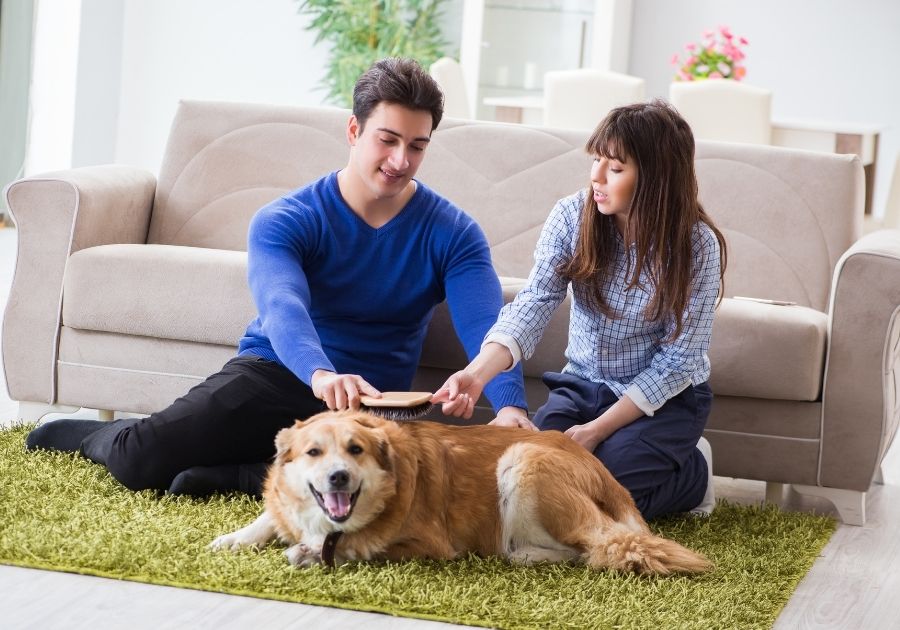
[334, 293]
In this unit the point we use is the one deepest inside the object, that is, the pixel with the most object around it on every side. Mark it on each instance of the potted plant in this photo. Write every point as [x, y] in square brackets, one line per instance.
[363, 31]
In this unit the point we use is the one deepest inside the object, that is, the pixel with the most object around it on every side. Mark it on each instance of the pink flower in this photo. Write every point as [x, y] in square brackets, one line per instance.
[717, 55]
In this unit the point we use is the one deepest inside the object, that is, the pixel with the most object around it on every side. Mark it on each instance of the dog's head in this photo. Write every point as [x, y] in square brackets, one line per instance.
[338, 466]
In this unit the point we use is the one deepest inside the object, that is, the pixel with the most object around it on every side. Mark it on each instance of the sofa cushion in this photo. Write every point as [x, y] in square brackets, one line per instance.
[768, 351]
[165, 291]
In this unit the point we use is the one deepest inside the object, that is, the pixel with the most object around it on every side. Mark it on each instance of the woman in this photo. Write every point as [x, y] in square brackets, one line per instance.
[646, 265]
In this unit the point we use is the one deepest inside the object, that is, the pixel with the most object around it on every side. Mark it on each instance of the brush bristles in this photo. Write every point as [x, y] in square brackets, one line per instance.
[401, 414]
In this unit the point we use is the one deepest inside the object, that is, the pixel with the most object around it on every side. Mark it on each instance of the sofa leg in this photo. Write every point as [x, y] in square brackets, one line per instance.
[107, 415]
[774, 492]
[850, 504]
[34, 411]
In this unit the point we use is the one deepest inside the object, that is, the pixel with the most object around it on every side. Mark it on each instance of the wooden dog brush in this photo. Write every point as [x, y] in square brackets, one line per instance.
[398, 406]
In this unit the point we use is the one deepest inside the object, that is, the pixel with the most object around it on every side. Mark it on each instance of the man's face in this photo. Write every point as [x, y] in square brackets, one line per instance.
[387, 152]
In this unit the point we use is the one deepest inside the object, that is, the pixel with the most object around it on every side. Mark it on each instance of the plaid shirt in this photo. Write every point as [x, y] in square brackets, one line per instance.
[627, 353]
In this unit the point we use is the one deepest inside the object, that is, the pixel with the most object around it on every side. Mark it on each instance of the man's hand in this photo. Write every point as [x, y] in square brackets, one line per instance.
[340, 391]
[458, 395]
[513, 417]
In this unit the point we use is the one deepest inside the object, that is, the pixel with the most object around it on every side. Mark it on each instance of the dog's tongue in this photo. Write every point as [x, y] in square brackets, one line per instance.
[337, 503]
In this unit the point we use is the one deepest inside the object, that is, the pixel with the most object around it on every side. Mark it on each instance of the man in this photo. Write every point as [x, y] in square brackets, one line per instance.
[345, 273]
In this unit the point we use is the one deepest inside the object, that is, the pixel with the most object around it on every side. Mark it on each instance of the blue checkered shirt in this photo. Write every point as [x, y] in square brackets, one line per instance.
[627, 354]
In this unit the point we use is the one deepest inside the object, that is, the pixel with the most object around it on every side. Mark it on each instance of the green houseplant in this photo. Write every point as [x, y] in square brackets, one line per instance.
[363, 31]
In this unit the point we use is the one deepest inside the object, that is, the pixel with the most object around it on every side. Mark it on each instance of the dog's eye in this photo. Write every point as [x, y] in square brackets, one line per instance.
[355, 449]
[313, 452]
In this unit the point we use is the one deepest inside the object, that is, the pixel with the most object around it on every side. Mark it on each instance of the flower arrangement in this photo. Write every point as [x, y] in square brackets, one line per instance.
[718, 56]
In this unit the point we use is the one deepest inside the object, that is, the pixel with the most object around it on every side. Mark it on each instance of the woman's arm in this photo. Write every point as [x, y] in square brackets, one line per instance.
[621, 414]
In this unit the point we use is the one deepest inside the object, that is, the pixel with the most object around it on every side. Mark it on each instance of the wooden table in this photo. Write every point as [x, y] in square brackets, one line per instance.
[833, 137]
[511, 108]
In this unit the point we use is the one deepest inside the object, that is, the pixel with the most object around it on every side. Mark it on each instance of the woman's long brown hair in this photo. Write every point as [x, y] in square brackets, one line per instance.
[664, 212]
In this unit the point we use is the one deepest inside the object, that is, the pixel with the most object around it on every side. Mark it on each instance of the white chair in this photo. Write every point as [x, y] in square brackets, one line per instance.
[724, 110]
[891, 217]
[579, 99]
[449, 75]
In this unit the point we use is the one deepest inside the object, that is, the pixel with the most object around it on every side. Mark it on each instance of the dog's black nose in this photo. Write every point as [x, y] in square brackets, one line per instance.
[339, 478]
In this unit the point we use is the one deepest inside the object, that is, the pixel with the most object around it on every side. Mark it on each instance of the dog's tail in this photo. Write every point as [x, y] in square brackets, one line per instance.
[644, 553]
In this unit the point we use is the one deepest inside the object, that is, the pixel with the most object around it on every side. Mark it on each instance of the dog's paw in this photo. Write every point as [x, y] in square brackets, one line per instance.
[302, 555]
[232, 542]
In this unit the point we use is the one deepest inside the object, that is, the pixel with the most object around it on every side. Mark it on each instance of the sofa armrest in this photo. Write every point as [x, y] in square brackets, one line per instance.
[57, 214]
[862, 370]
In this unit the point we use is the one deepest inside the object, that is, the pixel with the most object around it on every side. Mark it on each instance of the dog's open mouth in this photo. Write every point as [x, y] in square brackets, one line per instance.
[337, 505]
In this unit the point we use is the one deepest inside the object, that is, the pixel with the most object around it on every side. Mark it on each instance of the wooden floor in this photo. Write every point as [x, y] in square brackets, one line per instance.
[855, 584]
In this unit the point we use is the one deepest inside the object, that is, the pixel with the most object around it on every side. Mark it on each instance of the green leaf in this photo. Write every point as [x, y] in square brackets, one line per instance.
[361, 32]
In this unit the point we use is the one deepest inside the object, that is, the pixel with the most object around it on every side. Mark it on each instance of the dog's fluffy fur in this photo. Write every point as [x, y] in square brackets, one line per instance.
[424, 489]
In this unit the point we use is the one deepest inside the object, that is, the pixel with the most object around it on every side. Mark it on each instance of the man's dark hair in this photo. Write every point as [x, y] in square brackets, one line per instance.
[399, 81]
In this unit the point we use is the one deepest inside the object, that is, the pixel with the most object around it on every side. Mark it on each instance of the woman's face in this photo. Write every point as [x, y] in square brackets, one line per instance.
[613, 182]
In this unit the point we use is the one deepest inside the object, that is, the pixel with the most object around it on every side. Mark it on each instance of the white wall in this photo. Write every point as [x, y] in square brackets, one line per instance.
[53, 86]
[232, 50]
[99, 72]
[136, 59]
[823, 59]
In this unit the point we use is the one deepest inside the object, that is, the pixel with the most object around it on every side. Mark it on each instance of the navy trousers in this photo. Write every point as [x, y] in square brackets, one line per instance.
[230, 418]
[655, 458]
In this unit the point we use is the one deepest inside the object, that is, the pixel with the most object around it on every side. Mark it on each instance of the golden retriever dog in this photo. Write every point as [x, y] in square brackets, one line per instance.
[422, 489]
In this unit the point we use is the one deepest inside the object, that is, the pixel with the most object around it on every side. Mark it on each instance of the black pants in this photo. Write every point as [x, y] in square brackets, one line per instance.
[230, 418]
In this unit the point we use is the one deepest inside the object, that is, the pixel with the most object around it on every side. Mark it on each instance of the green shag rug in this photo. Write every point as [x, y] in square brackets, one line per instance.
[61, 512]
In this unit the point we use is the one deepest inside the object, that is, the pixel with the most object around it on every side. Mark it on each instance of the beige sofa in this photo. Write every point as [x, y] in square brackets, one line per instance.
[130, 289]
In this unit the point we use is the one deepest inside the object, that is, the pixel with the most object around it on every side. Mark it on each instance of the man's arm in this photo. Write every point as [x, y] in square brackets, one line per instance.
[278, 241]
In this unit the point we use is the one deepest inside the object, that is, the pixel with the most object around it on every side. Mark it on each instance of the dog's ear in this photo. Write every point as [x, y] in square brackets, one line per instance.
[382, 451]
[384, 455]
[283, 441]
[368, 420]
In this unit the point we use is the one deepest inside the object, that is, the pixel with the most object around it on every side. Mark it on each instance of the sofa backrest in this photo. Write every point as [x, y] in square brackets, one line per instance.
[224, 161]
[787, 215]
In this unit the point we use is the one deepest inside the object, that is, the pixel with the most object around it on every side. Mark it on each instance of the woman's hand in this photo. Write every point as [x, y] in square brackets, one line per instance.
[340, 391]
[458, 395]
[592, 433]
[460, 392]
[589, 435]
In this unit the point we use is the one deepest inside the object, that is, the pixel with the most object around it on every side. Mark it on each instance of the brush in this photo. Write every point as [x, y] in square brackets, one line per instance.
[398, 406]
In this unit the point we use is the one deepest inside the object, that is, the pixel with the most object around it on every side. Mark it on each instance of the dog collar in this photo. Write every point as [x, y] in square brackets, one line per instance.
[328, 548]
